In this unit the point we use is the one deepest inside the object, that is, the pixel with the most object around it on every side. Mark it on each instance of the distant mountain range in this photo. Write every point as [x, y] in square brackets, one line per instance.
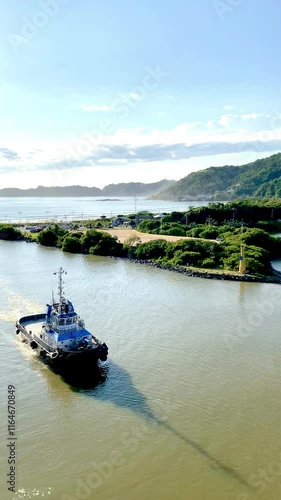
[122, 189]
[261, 178]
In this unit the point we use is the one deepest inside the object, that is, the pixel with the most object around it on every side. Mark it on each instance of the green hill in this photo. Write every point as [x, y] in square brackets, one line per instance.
[122, 189]
[136, 188]
[256, 179]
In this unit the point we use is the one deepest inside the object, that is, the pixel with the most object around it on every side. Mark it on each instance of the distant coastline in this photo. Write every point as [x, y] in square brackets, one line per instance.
[130, 189]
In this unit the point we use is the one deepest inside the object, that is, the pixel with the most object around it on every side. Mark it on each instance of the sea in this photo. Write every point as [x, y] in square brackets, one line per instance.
[23, 209]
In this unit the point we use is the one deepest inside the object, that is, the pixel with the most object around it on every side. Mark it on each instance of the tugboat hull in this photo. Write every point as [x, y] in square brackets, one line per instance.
[28, 328]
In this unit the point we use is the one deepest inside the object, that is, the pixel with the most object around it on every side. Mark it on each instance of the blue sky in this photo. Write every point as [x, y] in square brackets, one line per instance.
[94, 92]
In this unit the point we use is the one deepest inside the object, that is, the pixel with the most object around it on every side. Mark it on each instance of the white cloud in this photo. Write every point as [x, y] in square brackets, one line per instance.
[95, 107]
[253, 116]
[232, 134]
[135, 96]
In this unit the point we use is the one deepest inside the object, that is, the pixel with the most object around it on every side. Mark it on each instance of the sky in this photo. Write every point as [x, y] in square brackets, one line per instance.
[94, 92]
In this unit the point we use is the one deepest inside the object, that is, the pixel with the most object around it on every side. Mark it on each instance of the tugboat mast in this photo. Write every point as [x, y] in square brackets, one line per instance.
[60, 285]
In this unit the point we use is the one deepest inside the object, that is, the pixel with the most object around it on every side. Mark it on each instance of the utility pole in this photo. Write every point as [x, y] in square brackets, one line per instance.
[136, 211]
[242, 226]
[209, 220]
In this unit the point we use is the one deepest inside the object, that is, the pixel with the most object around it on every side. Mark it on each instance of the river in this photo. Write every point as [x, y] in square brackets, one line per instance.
[190, 405]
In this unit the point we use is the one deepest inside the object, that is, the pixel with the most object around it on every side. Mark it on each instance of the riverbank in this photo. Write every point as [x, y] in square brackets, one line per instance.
[212, 274]
[169, 253]
[199, 273]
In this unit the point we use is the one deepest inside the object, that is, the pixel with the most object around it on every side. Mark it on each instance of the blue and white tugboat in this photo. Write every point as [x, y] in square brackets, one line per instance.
[59, 336]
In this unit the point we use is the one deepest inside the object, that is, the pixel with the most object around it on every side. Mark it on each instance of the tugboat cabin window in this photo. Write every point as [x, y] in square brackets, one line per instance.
[61, 322]
[68, 321]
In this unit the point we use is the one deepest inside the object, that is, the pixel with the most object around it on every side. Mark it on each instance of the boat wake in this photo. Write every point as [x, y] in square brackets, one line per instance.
[16, 304]
[22, 493]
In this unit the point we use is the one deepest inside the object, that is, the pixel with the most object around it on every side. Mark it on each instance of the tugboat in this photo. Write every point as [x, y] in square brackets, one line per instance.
[59, 336]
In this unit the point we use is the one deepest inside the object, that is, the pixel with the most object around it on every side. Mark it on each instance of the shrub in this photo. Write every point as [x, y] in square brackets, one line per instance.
[210, 233]
[91, 238]
[147, 226]
[48, 238]
[77, 234]
[71, 244]
[253, 266]
[208, 263]
[99, 243]
[8, 232]
[175, 230]
[231, 263]
[187, 258]
[152, 249]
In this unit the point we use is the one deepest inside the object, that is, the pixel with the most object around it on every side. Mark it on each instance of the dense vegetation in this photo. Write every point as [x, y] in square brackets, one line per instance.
[216, 234]
[92, 241]
[261, 248]
[8, 232]
[229, 226]
[261, 178]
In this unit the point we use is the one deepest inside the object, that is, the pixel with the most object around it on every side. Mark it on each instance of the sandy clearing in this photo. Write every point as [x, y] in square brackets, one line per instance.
[125, 233]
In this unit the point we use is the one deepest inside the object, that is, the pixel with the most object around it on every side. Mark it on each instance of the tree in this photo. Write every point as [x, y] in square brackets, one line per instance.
[8, 232]
[47, 238]
[148, 226]
[71, 244]
[152, 249]
[99, 243]
[132, 241]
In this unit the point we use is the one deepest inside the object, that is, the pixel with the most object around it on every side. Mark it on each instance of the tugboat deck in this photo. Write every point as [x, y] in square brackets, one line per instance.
[34, 326]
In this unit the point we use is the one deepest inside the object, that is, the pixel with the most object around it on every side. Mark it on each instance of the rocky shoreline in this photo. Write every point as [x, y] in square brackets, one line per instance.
[275, 279]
